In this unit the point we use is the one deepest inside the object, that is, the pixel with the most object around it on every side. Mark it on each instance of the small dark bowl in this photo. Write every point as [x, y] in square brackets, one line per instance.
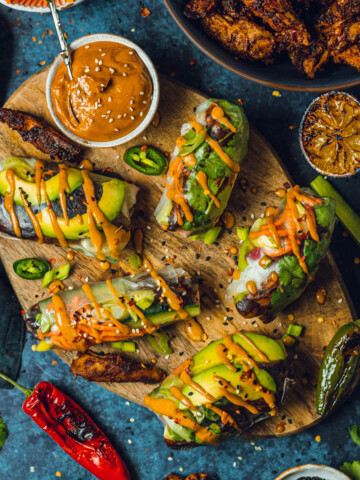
[304, 152]
[280, 75]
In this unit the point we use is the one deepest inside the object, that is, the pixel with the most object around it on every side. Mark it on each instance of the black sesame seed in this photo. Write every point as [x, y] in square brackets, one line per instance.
[263, 204]
[197, 256]
[221, 285]
[163, 243]
[208, 258]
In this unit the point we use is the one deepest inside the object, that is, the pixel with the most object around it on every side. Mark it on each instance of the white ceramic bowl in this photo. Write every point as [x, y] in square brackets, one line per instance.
[106, 37]
[38, 9]
[310, 470]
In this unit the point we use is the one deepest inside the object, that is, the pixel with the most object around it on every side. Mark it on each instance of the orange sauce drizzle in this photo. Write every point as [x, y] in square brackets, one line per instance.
[176, 392]
[167, 408]
[63, 188]
[138, 239]
[80, 219]
[261, 354]
[33, 218]
[194, 330]
[114, 235]
[221, 352]
[217, 113]
[202, 179]
[236, 400]
[86, 165]
[225, 417]
[9, 202]
[238, 351]
[62, 319]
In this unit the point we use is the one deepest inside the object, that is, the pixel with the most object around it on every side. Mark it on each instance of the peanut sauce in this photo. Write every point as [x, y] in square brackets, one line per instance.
[9, 203]
[330, 134]
[228, 219]
[321, 296]
[109, 95]
[194, 330]
[251, 287]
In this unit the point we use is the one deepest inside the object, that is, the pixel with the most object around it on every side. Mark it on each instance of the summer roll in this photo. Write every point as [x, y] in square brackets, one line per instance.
[115, 310]
[281, 253]
[53, 203]
[222, 390]
[204, 167]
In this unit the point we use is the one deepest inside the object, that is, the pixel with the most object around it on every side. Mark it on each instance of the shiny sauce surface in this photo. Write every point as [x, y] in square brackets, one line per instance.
[109, 95]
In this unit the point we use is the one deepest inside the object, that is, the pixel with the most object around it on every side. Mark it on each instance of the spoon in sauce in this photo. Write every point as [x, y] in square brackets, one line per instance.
[65, 53]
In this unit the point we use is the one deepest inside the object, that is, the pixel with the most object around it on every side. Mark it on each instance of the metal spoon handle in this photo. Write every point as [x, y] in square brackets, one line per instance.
[65, 53]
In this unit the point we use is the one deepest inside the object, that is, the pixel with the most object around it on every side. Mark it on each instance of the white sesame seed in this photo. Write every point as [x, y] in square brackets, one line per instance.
[145, 138]
[87, 69]
[148, 227]
[87, 279]
[234, 464]
[208, 318]
[167, 357]
[96, 60]
[111, 70]
[131, 102]
[71, 287]
[181, 469]
[97, 69]
[132, 30]
[144, 102]
[170, 459]
[141, 114]
[87, 46]
[131, 52]
[131, 109]
[109, 111]
[103, 54]
[120, 116]
[32, 469]
[116, 129]
[111, 120]
[124, 74]
[100, 62]
[117, 157]
[142, 93]
[340, 300]
[132, 117]
[240, 458]
[109, 99]
[100, 49]
[129, 441]
[125, 114]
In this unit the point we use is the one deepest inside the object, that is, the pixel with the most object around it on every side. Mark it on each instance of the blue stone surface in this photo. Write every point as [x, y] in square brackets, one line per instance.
[136, 432]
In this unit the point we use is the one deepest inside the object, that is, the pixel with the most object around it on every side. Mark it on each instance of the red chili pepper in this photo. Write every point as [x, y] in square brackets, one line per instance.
[73, 430]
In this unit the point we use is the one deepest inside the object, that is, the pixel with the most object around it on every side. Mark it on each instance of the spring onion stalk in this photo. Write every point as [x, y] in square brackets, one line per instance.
[124, 346]
[348, 217]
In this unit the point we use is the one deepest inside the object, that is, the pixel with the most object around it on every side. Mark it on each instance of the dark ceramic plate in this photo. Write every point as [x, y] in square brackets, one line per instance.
[281, 74]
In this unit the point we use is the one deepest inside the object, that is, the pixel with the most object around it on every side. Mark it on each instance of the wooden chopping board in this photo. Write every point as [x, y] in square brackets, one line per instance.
[263, 173]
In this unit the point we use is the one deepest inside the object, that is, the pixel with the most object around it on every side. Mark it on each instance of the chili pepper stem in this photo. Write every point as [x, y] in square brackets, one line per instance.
[26, 391]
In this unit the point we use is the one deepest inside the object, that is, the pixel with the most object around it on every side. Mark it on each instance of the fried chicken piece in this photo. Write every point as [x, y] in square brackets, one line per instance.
[339, 26]
[114, 368]
[174, 476]
[309, 59]
[241, 37]
[196, 9]
[40, 134]
[234, 8]
[281, 17]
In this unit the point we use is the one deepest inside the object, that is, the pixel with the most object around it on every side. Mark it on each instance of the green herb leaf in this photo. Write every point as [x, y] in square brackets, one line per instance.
[60, 273]
[323, 215]
[3, 433]
[352, 470]
[290, 271]
[355, 433]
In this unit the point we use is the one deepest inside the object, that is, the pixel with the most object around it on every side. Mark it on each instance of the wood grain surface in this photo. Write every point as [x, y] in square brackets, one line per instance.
[264, 173]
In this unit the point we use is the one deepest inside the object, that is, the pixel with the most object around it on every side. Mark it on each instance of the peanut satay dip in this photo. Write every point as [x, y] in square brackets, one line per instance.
[109, 95]
[331, 134]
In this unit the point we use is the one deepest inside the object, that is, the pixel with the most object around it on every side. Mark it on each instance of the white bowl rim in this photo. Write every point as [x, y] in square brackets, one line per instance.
[313, 469]
[101, 37]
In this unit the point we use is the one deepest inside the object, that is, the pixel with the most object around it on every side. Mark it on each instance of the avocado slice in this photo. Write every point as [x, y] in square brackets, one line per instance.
[206, 380]
[74, 178]
[207, 357]
[110, 203]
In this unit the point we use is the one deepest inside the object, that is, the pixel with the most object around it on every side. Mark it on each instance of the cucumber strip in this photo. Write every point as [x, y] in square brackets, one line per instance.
[124, 346]
[348, 217]
[165, 317]
[160, 343]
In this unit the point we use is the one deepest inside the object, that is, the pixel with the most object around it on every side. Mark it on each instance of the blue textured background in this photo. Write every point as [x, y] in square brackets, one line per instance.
[147, 456]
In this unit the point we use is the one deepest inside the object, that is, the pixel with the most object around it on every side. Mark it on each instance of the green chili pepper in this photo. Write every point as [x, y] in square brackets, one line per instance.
[243, 235]
[338, 366]
[31, 268]
[160, 343]
[192, 144]
[146, 160]
[294, 330]
[60, 273]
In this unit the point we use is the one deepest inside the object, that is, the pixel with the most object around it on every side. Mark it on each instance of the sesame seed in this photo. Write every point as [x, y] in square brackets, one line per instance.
[103, 54]
[111, 120]
[132, 420]
[170, 459]
[132, 117]
[97, 69]
[112, 70]
[87, 46]
[124, 74]
[127, 403]
[129, 441]
[141, 114]
[96, 60]
[87, 69]
[145, 138]
[109, 99]
[144, 102]
[131, 102]
[131, 109]
[142, 93]
[148, 227]
[132, 30]
[131, 52]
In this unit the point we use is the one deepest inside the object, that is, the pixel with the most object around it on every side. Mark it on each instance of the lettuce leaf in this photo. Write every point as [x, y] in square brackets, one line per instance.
[3, 433]
[355, 433]
[351, 469]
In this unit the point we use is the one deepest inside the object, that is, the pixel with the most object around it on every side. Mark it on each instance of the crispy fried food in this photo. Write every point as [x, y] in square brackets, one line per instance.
[114, 368]
[281, 17]
[234, 8]
[241, 37]
[339, 26]
[40, 134]
[196, 9]
[309, 59]
[193, 476]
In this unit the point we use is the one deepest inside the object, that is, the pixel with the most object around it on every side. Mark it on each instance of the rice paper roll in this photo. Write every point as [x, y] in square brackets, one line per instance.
[281, 252]
[204, 167]
[53, 203]
[222, 391]
[118, 309]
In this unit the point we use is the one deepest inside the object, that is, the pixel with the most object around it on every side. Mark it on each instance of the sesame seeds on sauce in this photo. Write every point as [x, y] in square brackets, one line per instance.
[106, 74]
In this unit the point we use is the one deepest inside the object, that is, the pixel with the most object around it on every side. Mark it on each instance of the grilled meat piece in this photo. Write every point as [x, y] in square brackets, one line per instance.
[339, 26]
[309, 59]
[196, 9]
[234, 8]
[192, 476]
[242, 37]
[40, 134]
[114, 368]
[281, 17]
